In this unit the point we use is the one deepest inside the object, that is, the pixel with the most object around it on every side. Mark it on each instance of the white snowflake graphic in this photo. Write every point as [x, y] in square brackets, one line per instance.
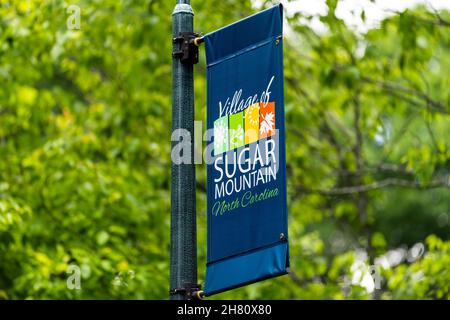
[220, 135]
[267, 124]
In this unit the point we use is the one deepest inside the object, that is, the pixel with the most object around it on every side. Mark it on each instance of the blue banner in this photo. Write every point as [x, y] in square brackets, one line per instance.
[246, 185]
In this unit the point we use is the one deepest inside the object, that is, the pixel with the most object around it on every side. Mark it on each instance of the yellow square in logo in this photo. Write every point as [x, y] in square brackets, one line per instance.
[252, 123]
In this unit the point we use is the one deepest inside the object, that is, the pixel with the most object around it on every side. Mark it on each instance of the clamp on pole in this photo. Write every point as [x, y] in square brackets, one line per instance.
[188, 51]
[190, 291]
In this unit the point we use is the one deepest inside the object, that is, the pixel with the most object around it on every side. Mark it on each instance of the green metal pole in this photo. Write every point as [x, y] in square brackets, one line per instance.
[183, 255]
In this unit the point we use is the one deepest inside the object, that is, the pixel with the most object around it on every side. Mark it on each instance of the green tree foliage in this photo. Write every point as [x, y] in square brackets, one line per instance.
[85, 152]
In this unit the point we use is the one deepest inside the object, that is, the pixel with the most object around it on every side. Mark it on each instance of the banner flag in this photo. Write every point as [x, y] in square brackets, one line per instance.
[246, 177]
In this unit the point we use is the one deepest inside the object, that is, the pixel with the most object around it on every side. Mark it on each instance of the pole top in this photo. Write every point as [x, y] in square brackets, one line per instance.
[183, 8]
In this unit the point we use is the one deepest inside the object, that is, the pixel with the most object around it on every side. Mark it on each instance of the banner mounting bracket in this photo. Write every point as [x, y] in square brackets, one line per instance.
[190, 291]
[188, 51]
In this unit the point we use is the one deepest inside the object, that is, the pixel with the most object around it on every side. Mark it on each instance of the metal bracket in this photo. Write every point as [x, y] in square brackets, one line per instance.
[190, 291]
[188, 51]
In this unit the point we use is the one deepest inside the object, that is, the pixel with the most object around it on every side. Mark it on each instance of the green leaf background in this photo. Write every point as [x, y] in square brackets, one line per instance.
[85, 151]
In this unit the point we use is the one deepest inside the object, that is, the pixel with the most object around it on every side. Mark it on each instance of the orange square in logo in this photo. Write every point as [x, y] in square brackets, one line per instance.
[266, 120]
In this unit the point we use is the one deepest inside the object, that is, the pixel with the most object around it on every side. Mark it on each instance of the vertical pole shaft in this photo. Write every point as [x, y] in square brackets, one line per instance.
[183, 255]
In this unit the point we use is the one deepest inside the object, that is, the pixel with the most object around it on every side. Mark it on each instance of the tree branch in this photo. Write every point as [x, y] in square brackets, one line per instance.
[390, 182]
[379, 168]
[395, 88]
[439, 21]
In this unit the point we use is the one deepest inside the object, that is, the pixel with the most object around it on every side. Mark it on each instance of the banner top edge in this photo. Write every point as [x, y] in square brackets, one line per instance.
[280, 6]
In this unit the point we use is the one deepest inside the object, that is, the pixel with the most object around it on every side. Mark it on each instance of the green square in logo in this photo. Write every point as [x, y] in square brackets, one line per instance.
[237, 133]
